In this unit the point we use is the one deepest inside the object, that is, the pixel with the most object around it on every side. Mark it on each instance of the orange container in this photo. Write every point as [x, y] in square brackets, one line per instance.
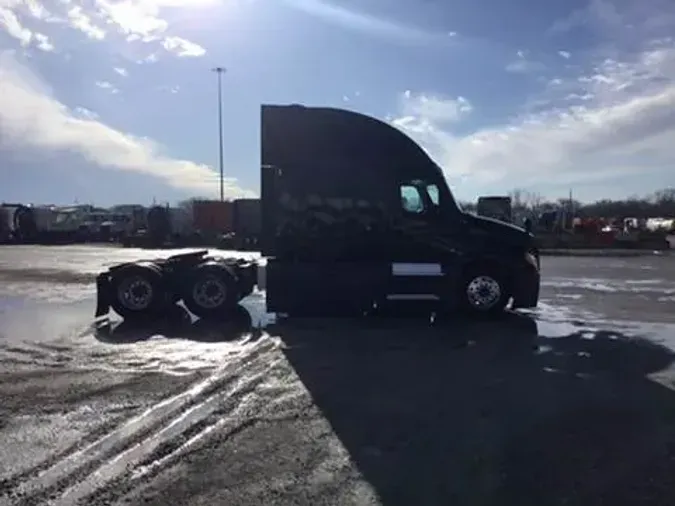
[212, 216]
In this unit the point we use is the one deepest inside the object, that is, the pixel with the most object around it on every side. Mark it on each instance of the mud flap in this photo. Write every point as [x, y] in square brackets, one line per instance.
[102, 295]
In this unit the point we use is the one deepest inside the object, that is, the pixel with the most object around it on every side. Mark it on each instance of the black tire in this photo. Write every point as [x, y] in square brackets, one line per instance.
[138, 292]
[483, 291]
[211, 291]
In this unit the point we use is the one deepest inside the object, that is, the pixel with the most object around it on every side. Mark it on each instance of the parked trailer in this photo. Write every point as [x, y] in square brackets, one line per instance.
[354, 214]
[212, 216]
[247, 223]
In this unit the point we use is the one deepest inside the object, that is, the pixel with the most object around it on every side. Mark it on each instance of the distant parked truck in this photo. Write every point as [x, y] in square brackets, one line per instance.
[22, 222]
[46, 225]
[208, 223]
[5, 225]
[497, 207]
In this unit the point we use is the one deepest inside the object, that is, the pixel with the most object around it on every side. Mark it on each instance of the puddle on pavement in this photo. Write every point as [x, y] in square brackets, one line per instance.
[36, 331]
[40, 334]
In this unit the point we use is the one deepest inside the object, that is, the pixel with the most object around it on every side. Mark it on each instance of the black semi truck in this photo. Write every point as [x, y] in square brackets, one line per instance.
[354, 214]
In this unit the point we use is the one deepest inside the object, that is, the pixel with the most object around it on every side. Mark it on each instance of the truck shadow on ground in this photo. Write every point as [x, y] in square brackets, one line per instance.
[179, 324]
[492, 413]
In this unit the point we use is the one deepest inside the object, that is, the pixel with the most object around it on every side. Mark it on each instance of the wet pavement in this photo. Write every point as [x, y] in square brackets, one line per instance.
[570, 404]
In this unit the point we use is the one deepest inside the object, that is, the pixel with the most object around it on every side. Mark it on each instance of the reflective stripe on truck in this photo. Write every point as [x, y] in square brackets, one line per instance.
[416, 269]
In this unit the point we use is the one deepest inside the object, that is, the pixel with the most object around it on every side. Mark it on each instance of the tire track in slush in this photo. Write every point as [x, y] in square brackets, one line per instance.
[83, 472]
[119, 476]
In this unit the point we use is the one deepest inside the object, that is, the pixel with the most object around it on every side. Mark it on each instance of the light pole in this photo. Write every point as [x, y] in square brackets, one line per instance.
[220, 71]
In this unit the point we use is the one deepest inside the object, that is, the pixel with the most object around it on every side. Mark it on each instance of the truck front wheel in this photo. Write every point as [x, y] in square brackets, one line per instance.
[483, 291]
[210, 291]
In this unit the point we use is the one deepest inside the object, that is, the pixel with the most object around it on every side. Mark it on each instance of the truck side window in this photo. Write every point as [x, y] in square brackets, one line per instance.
[434, 194]
[411, 200]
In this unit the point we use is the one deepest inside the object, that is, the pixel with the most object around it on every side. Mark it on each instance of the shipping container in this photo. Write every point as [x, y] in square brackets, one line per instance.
[212, 216]
[247, 217]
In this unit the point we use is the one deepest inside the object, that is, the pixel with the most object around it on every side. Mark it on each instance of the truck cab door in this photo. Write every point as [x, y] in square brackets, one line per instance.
[422, 230]
[422, 252]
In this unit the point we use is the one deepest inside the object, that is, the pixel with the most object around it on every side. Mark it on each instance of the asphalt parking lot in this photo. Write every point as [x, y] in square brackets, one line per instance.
[571, 404]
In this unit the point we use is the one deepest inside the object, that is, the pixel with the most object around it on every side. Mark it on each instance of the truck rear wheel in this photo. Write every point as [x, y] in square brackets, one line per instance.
[483, 291]
[210, 291]
[137, 292]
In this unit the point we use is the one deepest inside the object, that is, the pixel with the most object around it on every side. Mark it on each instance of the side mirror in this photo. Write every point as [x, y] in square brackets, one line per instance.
[527, 225]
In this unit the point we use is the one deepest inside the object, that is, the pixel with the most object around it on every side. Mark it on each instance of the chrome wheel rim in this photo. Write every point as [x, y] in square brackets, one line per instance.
[209, 292]
[135, 293]
[483, 292]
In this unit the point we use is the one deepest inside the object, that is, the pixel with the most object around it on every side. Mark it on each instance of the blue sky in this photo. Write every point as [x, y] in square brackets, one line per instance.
[112, 101]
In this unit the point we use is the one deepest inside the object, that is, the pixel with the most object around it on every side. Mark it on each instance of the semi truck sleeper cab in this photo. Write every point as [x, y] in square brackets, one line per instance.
[354, 214]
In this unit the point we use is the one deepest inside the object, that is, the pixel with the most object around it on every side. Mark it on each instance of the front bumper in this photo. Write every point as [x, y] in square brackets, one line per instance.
[526, 283]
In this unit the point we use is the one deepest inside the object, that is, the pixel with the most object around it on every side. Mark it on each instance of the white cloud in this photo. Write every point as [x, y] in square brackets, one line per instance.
[10, 23]
[83, 112]
[151, 58]
[182, 47]
[37, 10]
[565, 54]
[116, 21]
[121, 71]
[139, 19]
[614, 119]
[35, 124]
[42, 42]
[522, 65]
[332, 12]
[434, 108]
[107, 85]
[596, 13]
[82, 22]
[170, 89]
